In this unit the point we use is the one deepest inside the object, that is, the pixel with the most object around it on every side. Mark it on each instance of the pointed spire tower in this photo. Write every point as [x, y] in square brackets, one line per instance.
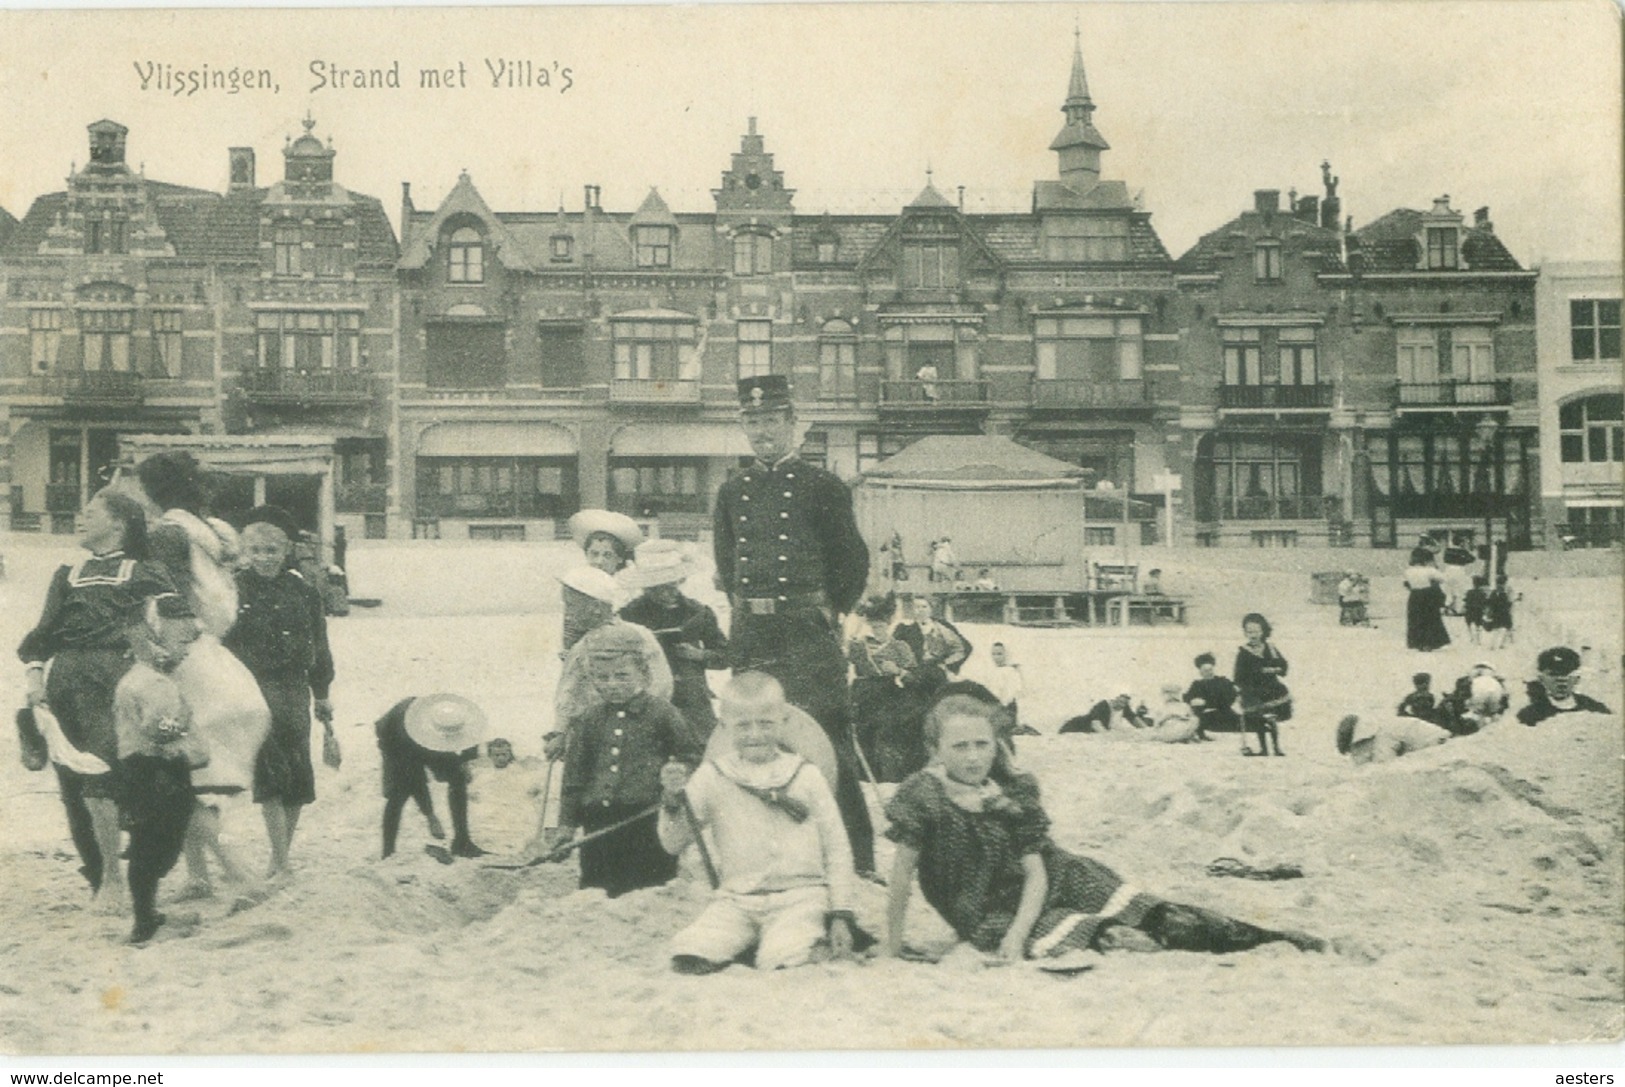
[1079, 145]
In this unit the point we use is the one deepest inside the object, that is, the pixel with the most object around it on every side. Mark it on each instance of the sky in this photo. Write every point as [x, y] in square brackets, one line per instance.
[1510, 104]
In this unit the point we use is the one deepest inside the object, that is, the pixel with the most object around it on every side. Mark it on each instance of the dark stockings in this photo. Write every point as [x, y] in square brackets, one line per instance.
[457, 800]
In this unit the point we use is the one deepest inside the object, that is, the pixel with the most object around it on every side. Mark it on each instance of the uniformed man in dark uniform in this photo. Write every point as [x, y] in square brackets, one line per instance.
[790, 558]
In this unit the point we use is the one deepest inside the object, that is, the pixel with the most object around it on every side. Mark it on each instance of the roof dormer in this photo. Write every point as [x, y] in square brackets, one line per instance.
[1440, 238]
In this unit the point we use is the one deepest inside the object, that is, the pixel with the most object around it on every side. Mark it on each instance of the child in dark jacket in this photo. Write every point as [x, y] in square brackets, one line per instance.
[281, 635]
[612, 768]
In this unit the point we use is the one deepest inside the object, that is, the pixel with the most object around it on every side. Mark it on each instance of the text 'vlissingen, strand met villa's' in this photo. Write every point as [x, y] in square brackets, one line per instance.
[496, 73]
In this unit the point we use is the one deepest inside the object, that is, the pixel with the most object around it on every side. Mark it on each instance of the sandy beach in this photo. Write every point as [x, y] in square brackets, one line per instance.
[1473, 891]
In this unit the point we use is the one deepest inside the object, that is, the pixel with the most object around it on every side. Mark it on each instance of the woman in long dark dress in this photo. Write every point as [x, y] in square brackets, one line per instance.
[974, 832]
[1265, 700]
[81, 633]
[1424, 611]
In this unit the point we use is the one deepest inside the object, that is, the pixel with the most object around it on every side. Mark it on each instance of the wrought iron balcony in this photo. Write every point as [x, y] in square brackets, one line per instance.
[94, 388]
[1453, 394]
[1049, 393]
[934, 395]
[1275, 397]
[270, 386]
[634, 390]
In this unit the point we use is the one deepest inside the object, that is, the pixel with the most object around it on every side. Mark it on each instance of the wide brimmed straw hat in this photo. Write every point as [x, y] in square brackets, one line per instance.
[591, 581]
[619, 525]
[445, 722]
[659, 562]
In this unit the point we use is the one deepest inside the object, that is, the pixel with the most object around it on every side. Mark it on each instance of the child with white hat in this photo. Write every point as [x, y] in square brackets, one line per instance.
[688, 630]
[436, 734]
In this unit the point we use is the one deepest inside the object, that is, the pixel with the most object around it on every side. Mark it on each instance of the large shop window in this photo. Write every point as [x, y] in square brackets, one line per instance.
[496, 487]
[293, 340]
[1266, 478]
[1594, 329]
[466, 355]
[1088, 348]
[647, 486]
[106, 337]
[1592, 430]
[655, 351]
[1470, 472]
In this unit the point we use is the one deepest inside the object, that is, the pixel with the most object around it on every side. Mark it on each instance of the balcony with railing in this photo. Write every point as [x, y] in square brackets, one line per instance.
[942, 395]
[636, 390]
[93, 388]
[1275, 397]
[1496, 393]
[325, 387]
[1054, 394]
[360, 497]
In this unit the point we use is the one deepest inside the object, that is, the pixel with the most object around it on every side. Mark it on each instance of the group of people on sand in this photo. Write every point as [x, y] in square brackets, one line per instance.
[1435, 592]
[180, 663]
[186, 671]
[1256, 700]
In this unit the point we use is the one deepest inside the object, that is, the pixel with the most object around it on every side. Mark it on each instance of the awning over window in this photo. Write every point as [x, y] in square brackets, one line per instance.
[681, 440]
[467, 439]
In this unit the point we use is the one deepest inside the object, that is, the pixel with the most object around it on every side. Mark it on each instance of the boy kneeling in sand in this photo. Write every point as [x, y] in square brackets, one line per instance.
[786, 877]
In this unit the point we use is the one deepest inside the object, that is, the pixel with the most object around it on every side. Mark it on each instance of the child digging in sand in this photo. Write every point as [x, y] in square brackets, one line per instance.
[158, 750]
[973, 831]
[787, 882]
[436, 734]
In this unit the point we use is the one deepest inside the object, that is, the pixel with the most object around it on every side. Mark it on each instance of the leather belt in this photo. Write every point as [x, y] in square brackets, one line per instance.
[772, 605]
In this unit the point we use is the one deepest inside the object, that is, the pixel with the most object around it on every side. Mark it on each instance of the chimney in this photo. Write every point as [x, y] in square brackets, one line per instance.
[591, 194]
[406, 211]
[961, 199]
[1331, 209]
[1481, 220]
[242, 168]
[1308, 209]
[1267, 201]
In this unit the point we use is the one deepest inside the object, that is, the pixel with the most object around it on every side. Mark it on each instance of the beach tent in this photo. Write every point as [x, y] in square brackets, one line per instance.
[1006, 507]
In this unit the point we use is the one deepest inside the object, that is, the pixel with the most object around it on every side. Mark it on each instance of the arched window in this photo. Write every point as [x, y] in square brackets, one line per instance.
[837, 361]
[1592, 430]
[465, 257]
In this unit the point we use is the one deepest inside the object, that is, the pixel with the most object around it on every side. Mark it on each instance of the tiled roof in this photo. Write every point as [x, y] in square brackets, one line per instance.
[1214, 247]
[1389, 244]
[203, 225]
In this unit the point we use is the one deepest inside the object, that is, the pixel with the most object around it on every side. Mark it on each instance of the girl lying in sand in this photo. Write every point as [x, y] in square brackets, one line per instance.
[974, 832]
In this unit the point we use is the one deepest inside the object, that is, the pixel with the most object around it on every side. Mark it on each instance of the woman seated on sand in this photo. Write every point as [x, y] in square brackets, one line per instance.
[972, 829]
[1117, 715]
